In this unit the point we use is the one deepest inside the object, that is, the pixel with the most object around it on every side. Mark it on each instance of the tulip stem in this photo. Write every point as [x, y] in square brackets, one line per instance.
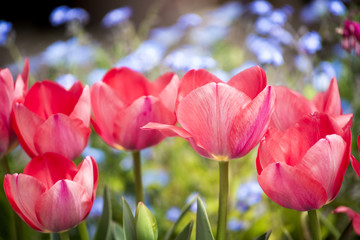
[83, 231]
[139, 192]
[64, 235]
[223, 200]
[314, 224]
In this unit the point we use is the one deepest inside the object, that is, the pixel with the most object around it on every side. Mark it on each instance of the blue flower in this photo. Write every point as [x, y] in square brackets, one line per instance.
[208, 35]
[98, 155]
[322, 75]
[248, 194]
[78, 14]
[346, 106]
[337, 8]
[221, 74]
[260, 7]
[155, 177]
[126, 163]
[226, 14]
[266, 50]
[66, 80]
[5, 28]
[96, 75]
[313, 11]
[278, 17]
[264, 25]
[193, 206]
[310, 43]
[59, 15]
[236, 225]
[282, 36]
[189, 20]
[117, 16]
[303, 63]
[168, 36]
[173, 213]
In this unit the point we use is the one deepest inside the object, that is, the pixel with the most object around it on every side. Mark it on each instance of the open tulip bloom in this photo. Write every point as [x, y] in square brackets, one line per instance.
[221, 121]
[53, 194]
[8, 94]
[52, 119]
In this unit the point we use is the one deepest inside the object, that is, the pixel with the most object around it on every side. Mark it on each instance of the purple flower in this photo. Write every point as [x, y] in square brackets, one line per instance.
[78, 14]
[117, 16]
[266, 50]
[278, 17]
[5, 28]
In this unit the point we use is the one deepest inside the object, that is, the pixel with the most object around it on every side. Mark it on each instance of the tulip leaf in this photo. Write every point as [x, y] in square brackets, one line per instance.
[145, 223]
[128, 222]
[104, 227]
[186, 232]
[117, 231]
[184, 210]
[265, 236]
[203, 229]
[117, 210]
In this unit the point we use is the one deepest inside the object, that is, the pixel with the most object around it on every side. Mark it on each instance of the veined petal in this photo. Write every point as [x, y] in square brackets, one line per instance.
[63, 135]
[356, 165]
[251, 123]
[194, 79]
[63, 206]
[169, 92]
[291, 188]
[208, 114]
[22, 82]
[82, 108]
[87, 176]
[250, 81]
[329, 101]
[26, 124]
[23, 191]
[50, 168]
[106, 105]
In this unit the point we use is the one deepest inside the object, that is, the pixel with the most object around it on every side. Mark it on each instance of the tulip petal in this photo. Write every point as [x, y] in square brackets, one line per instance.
[291, 188]
[106, 105]
[22, 82]
[63, 135]
[128, 84]
[169, 92]
[208, 113]
[26, 124]
[290, 107]
[250, 81]
[23, 192]
[63, 206]
[251, 123]
[50, 168]
[82, 109]
[325, 161]
[194, 79]
[46, 98]
[144, 110]
[356, 165]
[87, 176]
[329, 101]
[353, 216]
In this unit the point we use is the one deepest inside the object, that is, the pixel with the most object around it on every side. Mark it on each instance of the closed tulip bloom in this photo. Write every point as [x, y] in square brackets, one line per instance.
[10, 92]
[53, 194]
[221, 120]
[125, 100]
[52, 119]
[291, 106]
[303, 167]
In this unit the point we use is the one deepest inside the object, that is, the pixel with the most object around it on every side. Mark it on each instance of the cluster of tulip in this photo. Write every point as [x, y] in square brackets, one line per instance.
[303, 154]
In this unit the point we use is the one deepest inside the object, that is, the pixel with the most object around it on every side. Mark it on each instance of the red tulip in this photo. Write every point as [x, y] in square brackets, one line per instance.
[291, 106]
[125, 100]
[354, 217]
[10, 92]
[53, 195]
[221, 121]
[52, 119]
[303, 167]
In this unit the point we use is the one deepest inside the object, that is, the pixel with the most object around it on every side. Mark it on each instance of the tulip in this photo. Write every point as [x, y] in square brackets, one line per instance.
[125, 100]
[291, 106]
[53, 194]
[10, 92]
[221, 121]
[354, 217]
[52, 119]
[355, 164]
[302, 168]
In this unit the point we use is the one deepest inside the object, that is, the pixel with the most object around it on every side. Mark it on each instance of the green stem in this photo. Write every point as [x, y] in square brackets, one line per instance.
[139, 192]
[314, 225]
[223, 200]
[83, 231]
[5, 164]
[64, 235]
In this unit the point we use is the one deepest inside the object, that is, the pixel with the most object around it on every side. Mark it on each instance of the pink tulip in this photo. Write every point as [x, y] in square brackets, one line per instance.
[53, 195]
[291, 106]
[302, 168]
[221, 121]
[10, 92]
[125, 100]
[52, 119]
[354, 217]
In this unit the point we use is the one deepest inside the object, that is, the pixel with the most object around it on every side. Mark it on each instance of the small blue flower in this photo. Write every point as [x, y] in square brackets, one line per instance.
[236, 225]
[260, 7]
[126, 163]
[193, 206]
[264, 25]
[78, 14]
[173, 214]
[282, 36]
[208, 35]
[189, 20]
[248, 194]
[337, 8]
[322, 75]
[98, 155]
[117, 16]
[266, 50]
[303, 63]
[310, 43]
[278, 17]
[221, 74]
[59, 15]
[155, 177]
[226, 14]
[168, 36]
[314, 11]
[96, 75]
[287, 9]
[5, 28]
[66, 80]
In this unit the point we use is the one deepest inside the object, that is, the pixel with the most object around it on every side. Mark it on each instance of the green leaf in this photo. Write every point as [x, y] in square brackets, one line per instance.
[186, 232]
[184, 210]
[117, 233]
[104, 227]
[117, 210]
[203, 229]
[128, 222]
[145, 223]
[265, 236]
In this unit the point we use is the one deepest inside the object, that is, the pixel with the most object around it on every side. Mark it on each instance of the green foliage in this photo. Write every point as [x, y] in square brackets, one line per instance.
[203, 228]
[104, 227]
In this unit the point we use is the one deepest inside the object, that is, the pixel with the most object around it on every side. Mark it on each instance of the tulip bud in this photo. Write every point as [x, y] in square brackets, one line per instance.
[145, 223]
